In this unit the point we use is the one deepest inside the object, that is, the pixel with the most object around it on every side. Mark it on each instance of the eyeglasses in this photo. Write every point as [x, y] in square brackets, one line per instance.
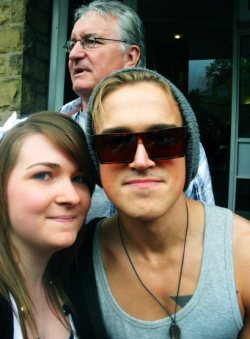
[87, 42]
[167, 143]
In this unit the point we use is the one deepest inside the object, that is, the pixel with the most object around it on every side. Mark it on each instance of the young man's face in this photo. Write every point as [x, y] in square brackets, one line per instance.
[144, 188]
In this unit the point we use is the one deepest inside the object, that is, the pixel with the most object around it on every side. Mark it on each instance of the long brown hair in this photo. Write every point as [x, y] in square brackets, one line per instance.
[62, 131]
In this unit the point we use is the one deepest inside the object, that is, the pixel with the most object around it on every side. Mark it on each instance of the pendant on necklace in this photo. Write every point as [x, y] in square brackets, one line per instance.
[174, 331]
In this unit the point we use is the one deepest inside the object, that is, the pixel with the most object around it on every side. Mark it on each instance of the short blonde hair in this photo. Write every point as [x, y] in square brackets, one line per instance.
[115, 81]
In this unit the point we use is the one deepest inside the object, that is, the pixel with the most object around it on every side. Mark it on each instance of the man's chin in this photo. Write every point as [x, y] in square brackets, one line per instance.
[83, 91]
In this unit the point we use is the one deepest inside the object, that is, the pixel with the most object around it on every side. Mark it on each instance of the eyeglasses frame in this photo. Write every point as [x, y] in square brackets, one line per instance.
[85, 45]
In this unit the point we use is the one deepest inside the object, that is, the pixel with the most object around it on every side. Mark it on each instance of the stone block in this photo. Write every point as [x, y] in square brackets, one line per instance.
[4, 13]
[18, 11]
[10, 94]
[11, 39]
[4, 65]
[15, 64]
[10, 64]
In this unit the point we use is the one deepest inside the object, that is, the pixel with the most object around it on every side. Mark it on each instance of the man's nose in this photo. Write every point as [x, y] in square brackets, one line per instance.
[77, 51]
[141, 158]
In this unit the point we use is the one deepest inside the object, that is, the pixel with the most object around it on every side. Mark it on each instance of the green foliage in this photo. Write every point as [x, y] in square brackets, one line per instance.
[219, 71]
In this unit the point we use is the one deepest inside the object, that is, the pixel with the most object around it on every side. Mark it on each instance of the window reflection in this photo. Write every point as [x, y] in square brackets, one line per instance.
[244, 109]
[210, 84]
[243, 181]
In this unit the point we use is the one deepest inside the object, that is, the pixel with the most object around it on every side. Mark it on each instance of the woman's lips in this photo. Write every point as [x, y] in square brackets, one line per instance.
[63, 218]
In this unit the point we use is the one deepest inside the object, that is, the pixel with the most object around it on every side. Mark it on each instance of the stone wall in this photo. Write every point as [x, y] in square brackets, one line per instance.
[25, 32]
[12, 17]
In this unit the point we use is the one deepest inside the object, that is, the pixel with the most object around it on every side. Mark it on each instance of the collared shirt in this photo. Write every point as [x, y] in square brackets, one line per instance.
[200, 188]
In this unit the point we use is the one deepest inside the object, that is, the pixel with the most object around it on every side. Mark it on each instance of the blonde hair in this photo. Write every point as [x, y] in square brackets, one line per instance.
[62, 131]
[120, 79]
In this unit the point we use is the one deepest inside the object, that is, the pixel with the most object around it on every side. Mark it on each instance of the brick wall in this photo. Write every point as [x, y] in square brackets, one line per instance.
[24, 55]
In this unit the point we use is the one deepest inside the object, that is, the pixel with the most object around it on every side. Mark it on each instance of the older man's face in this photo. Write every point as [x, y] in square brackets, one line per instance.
[88, 66]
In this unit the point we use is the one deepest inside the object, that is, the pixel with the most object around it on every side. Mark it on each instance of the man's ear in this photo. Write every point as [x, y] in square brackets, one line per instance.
[132, 56]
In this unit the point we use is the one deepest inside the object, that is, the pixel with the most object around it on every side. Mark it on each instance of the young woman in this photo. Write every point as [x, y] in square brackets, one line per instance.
[46, 182]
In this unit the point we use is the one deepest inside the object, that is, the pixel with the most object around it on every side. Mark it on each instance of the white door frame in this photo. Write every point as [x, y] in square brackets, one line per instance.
[57, 54]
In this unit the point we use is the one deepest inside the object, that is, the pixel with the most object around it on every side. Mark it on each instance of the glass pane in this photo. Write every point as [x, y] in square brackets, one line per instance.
[244, 109]
[210, 97]
[243, 198]
[243, 164]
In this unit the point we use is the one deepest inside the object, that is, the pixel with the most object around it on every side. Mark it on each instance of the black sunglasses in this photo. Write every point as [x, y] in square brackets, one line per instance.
[167, 143]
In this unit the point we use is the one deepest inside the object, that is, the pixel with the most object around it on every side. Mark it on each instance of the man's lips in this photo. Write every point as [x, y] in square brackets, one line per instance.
[79, 70]
[147, 182]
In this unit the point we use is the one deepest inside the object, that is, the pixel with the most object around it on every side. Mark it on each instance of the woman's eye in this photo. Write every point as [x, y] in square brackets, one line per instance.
[43, 176]
[80, 179]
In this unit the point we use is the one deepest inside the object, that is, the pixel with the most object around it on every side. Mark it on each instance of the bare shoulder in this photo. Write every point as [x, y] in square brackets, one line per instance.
[241, 246]
[241, 240]
[241, 249]
[241, 230]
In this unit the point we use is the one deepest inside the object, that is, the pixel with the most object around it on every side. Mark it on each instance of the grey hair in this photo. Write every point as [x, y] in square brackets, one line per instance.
[130, 25]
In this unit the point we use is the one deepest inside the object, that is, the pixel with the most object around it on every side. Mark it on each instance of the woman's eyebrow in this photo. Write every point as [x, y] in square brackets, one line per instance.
[47, 164]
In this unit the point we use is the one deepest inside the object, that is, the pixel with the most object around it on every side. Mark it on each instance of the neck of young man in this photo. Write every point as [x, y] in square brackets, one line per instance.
[156, 235]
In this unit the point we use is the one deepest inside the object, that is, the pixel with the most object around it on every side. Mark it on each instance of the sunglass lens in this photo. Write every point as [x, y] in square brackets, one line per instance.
[115, 148]
[165, 144]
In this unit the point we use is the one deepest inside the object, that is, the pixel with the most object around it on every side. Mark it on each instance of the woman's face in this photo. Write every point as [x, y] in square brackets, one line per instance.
[47, 197]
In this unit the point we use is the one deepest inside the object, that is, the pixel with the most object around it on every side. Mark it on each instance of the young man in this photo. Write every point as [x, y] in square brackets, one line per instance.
[164, 265]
